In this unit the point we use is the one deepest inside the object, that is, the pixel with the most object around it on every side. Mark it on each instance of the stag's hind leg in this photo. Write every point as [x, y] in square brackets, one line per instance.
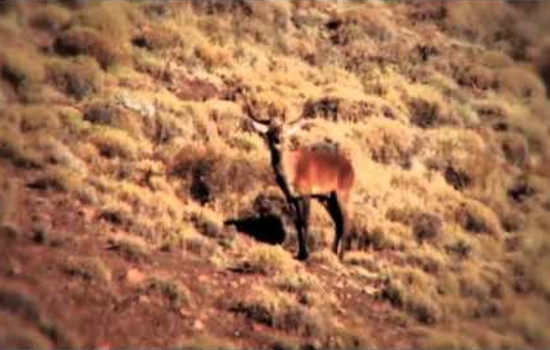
[339, 215]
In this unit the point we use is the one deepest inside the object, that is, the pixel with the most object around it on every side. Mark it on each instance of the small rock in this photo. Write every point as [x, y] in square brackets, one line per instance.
[203, 278]
[14, 268]
[144, 299]
[134, 276]
[103, 346]
[369, 290]
[184, 313]
[198, 325]
[144, 108]
[39, 236]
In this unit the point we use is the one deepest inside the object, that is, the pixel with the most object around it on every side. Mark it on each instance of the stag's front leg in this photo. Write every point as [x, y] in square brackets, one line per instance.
[297, 206]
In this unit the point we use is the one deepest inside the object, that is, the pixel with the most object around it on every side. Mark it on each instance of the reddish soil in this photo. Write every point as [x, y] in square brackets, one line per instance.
[91, 314]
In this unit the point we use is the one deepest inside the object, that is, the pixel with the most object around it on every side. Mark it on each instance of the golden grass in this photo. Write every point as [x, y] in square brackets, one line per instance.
[50, 17]
[80, 78]
[177, 294]
[88, 268]
[24, 69]
[115, 143]
[130, 247]
[438, 146]
[14, 148]
[86, 41]
[269, 260]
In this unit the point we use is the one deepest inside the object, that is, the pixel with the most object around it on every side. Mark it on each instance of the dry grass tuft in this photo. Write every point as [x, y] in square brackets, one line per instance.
[81, 78]
[413, 298]
[177, 294]
[269, 260]
[85, 41]
[50, 17]
[130, 247]
[88, 268]
[115, 143]
[24, 70]
[14, 148]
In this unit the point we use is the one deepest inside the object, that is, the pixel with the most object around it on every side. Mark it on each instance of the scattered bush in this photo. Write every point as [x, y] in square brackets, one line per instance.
[111, 20]
[268, 260]
[476, 218]
[390, 142]
[157, 39]
[38, 118]
[24, 70]
[297, 283]
[132, 248]
[427, 226]
[515, 149]
[477, 77]
[79, 79]
[84, 41]
[56, 178]
[520, 82]
[177, 294]
[50, 17]
[92, 269]
[281, 312]
[413, 300]
[207, 170]
[428, 111]
[14, 148]
[115, 143]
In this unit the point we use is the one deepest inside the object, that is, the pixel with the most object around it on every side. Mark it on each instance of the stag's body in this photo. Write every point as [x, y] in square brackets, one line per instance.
[324, 174]
[317, 173]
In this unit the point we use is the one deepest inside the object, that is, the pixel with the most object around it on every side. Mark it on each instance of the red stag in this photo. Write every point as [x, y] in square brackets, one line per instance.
[324, 174]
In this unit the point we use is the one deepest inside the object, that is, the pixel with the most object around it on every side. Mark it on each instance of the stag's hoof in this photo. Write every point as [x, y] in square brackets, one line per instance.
[302, 256]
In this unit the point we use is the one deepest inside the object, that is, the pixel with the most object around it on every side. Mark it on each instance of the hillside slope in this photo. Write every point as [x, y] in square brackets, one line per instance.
[125, 154]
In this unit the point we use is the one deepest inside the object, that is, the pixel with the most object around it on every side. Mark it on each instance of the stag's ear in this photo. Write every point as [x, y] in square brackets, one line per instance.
[296, 126]
[261, 128]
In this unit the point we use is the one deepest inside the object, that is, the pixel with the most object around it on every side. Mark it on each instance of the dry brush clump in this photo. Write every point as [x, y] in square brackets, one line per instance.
[282, 312]
[80, 79]
[413, 291]
[86, 41]
[88, 268]
[23, 69]
[206, 170]
[50, 17]
[452, 201]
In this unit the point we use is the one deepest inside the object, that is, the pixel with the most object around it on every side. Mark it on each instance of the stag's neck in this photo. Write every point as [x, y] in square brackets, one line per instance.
[278, 168]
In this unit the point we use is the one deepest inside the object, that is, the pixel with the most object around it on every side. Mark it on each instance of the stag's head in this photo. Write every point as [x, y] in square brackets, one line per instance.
[275, 128]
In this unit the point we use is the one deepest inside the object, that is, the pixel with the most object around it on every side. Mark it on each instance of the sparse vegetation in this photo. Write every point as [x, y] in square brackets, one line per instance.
[124, 148]
[177, 294]
[130, 247]
[80, 79]
[269, 260]
[85, 41]
[88, 268]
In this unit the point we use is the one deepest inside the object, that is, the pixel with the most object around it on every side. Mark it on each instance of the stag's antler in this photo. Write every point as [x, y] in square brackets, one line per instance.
[252, 112]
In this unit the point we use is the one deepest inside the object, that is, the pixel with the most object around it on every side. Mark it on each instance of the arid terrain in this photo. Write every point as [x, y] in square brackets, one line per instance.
[138, 206]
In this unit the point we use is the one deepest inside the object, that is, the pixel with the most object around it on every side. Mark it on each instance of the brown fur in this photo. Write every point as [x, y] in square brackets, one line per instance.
[319, 172]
